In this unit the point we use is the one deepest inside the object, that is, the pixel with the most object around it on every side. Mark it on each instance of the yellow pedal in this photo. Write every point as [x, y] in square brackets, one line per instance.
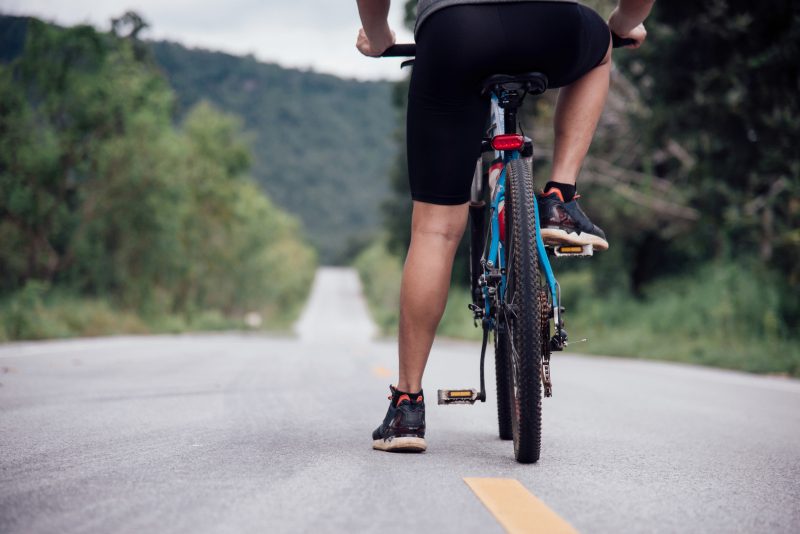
[573, 250]
[458, 396]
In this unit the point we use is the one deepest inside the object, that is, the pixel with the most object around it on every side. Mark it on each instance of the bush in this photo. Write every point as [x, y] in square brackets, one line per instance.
[722, 315]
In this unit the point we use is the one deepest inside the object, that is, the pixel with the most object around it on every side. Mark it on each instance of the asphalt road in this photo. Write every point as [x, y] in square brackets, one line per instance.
[254, 433]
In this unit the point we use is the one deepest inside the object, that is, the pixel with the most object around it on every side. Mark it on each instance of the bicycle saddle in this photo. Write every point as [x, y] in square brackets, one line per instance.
[535, 83]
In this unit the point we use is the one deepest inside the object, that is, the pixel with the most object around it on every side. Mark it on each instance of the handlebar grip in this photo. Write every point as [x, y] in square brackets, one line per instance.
[401, 50]
[619, 42]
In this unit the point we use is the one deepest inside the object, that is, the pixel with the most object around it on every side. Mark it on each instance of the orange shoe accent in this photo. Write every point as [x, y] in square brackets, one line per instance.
[556, 191]
[401, 398]
[419, 399]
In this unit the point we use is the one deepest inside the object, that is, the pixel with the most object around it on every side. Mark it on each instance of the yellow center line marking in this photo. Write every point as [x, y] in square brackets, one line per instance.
[516, 509]
[381, 372]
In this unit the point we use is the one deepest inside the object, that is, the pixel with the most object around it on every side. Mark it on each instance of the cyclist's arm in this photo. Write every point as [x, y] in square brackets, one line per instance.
[375, 27]
[626, 19]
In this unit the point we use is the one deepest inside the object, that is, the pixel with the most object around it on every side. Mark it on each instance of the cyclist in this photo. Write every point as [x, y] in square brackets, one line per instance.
[459, 44]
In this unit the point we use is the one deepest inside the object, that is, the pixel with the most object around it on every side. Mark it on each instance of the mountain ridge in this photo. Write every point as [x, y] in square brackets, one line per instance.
[322, 145]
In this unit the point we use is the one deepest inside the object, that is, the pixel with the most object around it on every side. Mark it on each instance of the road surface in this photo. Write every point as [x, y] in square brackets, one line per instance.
[256, 433]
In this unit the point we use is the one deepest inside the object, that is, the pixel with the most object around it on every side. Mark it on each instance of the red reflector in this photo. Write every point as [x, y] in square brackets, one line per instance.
[508, 142]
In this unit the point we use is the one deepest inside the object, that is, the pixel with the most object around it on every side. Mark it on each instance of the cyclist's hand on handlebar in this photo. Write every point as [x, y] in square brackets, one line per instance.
[623, 27]
[377, 47]
[638, 34]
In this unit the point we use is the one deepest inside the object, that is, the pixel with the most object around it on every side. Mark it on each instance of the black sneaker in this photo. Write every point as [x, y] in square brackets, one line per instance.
[403, 428]
[564, 223]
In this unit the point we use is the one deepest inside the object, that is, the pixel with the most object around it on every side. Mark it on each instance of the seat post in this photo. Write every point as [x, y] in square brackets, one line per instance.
[510, 118]
[510, 91]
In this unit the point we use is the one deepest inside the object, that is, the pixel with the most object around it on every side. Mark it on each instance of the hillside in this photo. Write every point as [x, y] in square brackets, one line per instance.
[321, 145]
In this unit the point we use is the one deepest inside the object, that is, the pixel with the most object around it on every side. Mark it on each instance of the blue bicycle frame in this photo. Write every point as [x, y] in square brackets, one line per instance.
[496, 254]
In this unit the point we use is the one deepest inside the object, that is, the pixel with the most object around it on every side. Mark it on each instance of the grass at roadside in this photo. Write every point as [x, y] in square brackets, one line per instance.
[722, 316]
[37, 313]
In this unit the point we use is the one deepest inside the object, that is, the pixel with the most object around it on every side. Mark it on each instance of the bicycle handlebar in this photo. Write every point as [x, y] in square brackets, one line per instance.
[619, 42]
[401, 50]
[410, 49]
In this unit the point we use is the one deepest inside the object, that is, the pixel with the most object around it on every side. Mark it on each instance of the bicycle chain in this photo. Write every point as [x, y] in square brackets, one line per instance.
[544, 314]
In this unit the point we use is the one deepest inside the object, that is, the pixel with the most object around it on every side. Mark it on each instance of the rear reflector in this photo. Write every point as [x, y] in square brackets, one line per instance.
[508, 142]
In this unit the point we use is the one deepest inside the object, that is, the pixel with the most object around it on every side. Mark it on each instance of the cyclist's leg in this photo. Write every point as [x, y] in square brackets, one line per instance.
[445, 123]
[579, 107]
[580, 104]
[435, 233]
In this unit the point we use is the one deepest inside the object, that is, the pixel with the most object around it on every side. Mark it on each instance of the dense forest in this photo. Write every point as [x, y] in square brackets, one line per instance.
[321, 146]
[116, 213]
[694, 174]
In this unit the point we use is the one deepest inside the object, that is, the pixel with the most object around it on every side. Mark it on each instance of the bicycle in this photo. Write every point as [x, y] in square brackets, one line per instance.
[515, 294]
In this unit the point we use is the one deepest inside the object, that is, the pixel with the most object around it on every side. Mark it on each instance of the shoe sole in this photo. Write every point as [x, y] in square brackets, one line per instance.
[405, 444]
[555, 236]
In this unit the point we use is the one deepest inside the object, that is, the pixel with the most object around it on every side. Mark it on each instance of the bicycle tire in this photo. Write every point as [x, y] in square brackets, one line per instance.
[501, 372]
[522, 313]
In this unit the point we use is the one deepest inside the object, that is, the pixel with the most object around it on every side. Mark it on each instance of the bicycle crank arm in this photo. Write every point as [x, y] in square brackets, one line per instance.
[458, 396]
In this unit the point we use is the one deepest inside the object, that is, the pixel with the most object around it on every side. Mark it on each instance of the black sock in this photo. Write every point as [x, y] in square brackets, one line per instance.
[567, 190]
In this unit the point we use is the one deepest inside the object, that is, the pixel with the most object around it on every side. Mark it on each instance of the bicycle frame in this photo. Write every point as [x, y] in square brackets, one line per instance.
[495, 255]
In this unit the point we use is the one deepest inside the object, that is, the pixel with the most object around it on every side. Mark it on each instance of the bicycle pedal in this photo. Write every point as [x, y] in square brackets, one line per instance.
[573, 250]
[458, 396]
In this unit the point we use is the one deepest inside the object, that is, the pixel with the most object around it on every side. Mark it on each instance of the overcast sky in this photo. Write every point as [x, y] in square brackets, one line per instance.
[298, 33]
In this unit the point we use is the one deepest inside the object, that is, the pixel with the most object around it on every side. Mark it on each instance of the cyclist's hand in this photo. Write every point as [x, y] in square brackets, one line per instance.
[377, 47]
[638, 34]
[627, 29]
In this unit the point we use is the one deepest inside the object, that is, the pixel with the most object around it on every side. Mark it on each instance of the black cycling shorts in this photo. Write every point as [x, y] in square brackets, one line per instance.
[460, 46]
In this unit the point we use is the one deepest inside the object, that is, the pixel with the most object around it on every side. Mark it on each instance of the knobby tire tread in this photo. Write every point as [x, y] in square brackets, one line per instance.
[524, 324]
[502, 372]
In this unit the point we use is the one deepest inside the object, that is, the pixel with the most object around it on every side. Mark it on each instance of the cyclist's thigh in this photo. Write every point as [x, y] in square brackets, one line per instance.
[446, 113]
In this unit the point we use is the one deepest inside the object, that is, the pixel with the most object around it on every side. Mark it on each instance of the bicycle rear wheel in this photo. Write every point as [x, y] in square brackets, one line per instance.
[521, 313]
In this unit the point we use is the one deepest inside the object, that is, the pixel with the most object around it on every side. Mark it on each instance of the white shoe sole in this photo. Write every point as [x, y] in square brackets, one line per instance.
[555, 236]
[407, 444]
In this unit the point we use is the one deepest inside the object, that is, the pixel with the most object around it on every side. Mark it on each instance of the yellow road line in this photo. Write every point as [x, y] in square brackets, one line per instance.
[381, 372]
[517, 509]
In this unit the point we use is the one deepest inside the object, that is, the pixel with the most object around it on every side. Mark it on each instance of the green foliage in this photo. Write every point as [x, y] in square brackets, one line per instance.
[101, 197]
[35, 312]
[380, 273]
[396, 208]
[321, 145]
[722, 78]
[721, 315]
[40, 312]
[457, 321]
